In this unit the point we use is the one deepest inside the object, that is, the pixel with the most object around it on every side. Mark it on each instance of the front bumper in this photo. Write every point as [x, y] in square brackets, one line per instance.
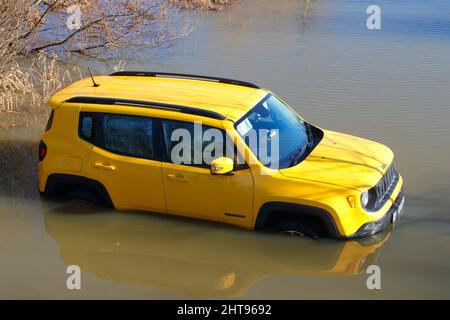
[373, 227]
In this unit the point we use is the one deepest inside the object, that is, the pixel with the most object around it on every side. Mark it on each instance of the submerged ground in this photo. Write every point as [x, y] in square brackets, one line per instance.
[389, 85]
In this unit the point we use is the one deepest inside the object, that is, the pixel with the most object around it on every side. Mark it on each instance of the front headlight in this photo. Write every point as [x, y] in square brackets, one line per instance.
[364, 199]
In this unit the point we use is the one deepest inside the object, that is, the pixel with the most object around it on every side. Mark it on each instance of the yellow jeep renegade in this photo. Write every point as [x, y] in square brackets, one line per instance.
[125, 140]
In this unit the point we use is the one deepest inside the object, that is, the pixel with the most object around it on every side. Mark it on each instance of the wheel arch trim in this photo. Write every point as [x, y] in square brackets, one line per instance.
[268, 208]
[57, 179]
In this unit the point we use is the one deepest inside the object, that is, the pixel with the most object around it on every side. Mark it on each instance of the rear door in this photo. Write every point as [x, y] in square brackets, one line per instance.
[125, 159]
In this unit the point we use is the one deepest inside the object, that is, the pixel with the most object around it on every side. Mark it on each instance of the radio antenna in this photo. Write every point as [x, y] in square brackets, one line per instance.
[93, 81]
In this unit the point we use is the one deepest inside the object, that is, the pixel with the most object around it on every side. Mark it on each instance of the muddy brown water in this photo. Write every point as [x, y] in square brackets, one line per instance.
[390, 85]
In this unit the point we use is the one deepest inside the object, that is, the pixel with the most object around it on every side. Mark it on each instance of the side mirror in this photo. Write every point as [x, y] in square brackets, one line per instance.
[222, 165]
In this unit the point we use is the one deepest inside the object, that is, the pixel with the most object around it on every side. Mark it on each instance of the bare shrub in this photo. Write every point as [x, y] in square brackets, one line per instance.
[39, 31]
[101, 24]
[25, 90]
[12, 16]
[39, 26]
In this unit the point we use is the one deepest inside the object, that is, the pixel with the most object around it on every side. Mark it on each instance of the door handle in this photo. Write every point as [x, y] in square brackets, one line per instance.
[176, 177]
[105, 166]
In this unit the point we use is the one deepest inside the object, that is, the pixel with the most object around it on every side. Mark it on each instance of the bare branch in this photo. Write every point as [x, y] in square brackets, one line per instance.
[39, 21]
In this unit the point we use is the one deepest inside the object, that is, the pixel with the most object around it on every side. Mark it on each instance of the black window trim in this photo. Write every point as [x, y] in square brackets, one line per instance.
[50, 120]
[158, 133]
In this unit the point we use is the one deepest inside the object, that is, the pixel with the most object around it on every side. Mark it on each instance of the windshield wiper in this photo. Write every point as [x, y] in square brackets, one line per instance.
[302, 150]
[310, 135]
[297, 155]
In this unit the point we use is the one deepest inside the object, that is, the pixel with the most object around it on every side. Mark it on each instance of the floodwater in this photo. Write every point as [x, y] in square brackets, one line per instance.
[390, 85]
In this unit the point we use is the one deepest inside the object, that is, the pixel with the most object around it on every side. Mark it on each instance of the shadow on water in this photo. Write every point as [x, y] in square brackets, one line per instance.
[18, 169]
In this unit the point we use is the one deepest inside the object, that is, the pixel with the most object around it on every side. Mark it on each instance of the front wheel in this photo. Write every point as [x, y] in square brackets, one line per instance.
[82, 197]
[298, 229]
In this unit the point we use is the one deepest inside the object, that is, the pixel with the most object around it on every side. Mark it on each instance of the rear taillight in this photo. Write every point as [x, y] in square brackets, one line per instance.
[42, 150]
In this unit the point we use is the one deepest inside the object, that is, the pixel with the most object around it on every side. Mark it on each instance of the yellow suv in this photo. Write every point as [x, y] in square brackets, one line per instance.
[215, 149]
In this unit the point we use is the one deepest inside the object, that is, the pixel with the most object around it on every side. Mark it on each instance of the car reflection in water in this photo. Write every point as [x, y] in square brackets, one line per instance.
[198, 258]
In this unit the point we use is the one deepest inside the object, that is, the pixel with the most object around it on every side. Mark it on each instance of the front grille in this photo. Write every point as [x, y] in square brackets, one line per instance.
[380, 193]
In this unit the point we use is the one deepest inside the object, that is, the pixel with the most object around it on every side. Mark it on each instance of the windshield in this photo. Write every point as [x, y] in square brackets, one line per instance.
[280, 133]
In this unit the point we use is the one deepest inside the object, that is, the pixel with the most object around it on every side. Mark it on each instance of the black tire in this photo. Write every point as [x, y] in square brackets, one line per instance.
[82, 197]
[301, 229]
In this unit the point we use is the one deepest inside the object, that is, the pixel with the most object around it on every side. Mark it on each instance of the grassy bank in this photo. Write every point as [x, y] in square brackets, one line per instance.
[25, 87]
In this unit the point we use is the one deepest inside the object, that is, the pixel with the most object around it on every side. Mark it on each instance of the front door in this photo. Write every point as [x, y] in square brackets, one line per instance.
[191, 189]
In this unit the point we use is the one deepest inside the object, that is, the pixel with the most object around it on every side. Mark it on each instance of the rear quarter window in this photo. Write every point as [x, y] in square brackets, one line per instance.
[87, 127]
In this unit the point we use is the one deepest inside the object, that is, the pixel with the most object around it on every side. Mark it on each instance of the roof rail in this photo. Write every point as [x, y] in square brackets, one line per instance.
[147, 104]
[184, 76]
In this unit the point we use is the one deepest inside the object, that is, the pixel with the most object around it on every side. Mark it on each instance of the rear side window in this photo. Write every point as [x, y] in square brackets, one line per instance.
[128, 135]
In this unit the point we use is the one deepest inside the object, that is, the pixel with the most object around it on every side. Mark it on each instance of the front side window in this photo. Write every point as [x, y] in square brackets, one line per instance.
[129, 135]
[193, 143]
[275, 133]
